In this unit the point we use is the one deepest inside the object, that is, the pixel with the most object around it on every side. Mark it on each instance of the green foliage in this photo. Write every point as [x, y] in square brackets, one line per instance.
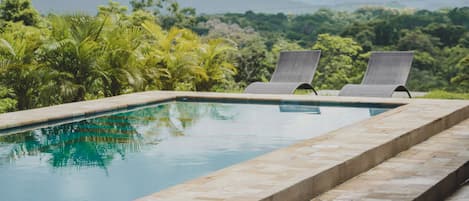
[214, 56]
[19, 11]
[284, 45]
[113, 8]
[440, 39]
[71, 57]
[459, 16]
[440, 94]
[386, 32]
[372, 13]
[7, 105]
[19, 70]
[241, 36]
[119, 61]
[305, 28]
[261, 22]
[416, 40]
[140, 16]
[80, 57]
[253, 60]
[182, 62]
[464, 41]
[66, 58]
[448, 34]
[254, 63]
[362, 33]
[462, 76]
[7, 101]
[338, 65]
[421, 18]
[172, 55]
[144, 4]
[168, 12]
[179, 17]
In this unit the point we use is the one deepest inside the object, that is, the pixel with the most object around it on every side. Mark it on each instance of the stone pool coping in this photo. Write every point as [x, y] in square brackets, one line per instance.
[297, 172]
[71, 111]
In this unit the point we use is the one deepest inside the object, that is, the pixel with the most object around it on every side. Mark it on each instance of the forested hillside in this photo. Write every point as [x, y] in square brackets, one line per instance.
[440, 39]
[159, 45]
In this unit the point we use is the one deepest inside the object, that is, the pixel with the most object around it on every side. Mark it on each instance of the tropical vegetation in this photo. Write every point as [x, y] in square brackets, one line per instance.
[157, 45]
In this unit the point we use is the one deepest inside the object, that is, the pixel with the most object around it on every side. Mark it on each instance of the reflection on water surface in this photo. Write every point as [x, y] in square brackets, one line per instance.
[131, 154]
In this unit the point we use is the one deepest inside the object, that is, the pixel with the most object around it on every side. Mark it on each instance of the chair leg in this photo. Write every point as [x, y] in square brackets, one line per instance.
[403, 88]
[307, 86]
[314, 90]
[408, 93]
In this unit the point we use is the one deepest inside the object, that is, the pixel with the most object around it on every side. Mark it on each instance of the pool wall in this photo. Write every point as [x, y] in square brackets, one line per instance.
[298, 172]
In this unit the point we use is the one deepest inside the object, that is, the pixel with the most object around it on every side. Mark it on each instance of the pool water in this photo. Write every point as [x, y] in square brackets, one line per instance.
[123, 156]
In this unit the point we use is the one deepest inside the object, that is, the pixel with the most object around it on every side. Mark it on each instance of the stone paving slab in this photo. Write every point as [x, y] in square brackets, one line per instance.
[78, 109]
[86, 108]
[461, 195]
[430, 170]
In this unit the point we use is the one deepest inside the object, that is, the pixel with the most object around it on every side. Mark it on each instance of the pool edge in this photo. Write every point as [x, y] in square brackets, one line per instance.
[440, 114]
[70, 112]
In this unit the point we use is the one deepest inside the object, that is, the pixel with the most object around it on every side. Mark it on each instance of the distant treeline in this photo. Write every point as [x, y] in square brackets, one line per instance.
[439, 38]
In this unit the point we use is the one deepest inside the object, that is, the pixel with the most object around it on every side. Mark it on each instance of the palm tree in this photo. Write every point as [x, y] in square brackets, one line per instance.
[89, 143]
[214, 60]
[19, 70]
[120, 60]
[174, 55]
[71, 55]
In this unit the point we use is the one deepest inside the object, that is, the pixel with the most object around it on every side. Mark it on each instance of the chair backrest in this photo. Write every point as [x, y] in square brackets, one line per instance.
[388, 67]
[296, 66]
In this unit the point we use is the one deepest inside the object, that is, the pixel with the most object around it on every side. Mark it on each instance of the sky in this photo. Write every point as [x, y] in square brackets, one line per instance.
[241, 6]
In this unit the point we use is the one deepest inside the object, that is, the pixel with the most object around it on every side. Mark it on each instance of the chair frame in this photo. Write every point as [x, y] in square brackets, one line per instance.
[377, 82]
[290, 74]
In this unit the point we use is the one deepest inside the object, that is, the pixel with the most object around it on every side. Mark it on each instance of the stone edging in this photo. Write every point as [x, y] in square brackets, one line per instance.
[297, 172]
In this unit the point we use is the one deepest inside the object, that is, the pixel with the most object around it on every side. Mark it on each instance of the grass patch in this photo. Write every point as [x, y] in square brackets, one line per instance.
[304, 92]
[440, 94]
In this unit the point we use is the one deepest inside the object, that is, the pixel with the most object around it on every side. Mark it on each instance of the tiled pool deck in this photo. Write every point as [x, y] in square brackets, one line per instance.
[298, 172]
[461, 195]
[412, 174]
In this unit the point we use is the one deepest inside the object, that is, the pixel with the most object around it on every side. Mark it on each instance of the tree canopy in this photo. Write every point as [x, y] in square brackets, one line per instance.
[19, 11]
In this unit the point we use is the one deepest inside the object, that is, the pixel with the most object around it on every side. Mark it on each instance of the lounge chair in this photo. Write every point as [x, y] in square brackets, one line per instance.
[386, 73]
[295, 70]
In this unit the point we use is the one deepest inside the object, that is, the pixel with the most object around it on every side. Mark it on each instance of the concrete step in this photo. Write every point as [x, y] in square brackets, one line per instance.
[431, 170]
[462, 194]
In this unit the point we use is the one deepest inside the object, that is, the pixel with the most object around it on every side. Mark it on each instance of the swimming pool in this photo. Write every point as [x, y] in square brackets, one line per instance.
[128, 154]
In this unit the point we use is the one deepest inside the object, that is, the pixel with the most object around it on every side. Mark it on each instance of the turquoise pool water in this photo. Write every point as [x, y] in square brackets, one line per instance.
[126, 155]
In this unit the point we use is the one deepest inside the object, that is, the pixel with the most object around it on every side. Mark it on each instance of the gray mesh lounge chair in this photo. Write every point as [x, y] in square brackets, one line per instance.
[295, 70]
[387, 72]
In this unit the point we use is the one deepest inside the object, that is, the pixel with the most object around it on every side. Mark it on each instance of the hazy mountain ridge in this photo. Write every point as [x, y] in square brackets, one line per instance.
[267, 6]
